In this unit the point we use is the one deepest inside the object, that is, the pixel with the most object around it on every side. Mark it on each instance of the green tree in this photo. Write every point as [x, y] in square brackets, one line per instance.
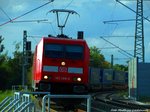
[11, 69]
[15, 65]
[97, 59]
[5, 71]
[18, 61]
[120, 67]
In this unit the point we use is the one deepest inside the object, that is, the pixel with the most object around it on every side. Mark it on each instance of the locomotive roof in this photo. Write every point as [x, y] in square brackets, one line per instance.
[63, 39]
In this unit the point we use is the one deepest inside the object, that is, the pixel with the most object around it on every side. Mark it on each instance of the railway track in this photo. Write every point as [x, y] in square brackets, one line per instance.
[59, 108]
[109, 103]
[104, 102]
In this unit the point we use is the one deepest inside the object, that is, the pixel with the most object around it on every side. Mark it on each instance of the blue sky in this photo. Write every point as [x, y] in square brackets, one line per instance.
[92, 14]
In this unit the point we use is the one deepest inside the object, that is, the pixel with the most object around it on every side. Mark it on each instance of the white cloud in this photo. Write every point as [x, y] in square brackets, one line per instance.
[18, 7]
[13, 5]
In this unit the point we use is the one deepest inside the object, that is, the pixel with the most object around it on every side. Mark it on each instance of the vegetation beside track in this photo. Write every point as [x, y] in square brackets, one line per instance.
[4, 94]
[123, 93]
[145, 99]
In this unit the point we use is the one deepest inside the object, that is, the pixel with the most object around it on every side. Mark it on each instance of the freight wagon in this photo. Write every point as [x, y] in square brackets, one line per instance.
[120, 80]
[107, 79]
[95, 79]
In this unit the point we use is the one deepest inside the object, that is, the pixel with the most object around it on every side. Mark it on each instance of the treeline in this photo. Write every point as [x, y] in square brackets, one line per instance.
[97, 59]
[11, 68]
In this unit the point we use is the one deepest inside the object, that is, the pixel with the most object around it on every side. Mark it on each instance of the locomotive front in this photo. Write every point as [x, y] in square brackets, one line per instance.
[61, 66]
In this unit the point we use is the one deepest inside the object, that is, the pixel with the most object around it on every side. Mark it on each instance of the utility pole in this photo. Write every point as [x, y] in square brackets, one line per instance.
[139, 50]
[26, 57]
[24, 64]
[112, 61]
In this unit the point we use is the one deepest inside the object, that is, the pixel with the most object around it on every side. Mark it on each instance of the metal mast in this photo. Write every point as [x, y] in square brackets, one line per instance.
[139, 32]
[24, 64]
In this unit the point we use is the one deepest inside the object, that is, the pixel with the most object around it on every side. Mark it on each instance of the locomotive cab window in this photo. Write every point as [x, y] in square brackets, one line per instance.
[63, 51]
[74, 52]
[53, 50]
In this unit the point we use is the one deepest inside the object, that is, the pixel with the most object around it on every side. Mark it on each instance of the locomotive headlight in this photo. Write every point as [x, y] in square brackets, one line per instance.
[45, 77]
[63, 63]
[79, 79]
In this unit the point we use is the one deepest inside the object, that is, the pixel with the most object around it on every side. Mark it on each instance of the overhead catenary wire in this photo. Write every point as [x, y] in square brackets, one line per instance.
[26, 13]
[35, 36]
[33, 39]
[107, 48]
[112, 21]
[107, 28]
[112, 15]
[121, 58]
[53, 28]
[116, 36]
[5, 13]
[132, 10]
[57, 11]
[38, 21]
[56, 17]
[124, 54]
[69, 4]
[117, 47]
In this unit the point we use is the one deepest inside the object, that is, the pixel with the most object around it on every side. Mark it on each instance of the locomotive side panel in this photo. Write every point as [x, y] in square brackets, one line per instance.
[39, 61]
[37, 65]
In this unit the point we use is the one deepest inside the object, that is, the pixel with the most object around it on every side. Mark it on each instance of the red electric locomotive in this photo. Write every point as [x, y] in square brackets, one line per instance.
[61, 65]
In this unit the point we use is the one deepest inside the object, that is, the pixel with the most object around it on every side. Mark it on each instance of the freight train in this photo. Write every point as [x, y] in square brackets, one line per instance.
[107, 79]
[61, 66]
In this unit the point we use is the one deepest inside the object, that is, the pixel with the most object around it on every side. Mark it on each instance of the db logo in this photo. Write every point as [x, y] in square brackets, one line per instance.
[62, 69]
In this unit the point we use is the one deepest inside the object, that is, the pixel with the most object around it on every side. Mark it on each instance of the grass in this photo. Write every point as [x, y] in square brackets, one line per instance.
[145, 99]
[123, 93]
[4, 94]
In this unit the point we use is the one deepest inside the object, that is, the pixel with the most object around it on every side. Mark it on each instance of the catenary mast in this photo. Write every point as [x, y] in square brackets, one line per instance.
[139, 33]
